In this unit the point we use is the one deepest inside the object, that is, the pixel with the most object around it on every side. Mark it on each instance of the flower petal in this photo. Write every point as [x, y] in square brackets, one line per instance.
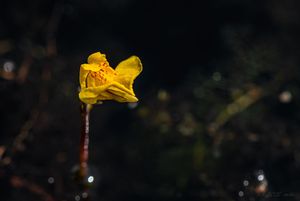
[82, 78]
[96, 58]
[91, 95]
[90, 67]
[121, 94]
[128, 70]
[85, 69]
[120, 87]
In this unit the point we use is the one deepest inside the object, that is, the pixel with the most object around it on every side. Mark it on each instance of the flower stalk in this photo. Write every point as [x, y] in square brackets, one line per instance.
[85, 110]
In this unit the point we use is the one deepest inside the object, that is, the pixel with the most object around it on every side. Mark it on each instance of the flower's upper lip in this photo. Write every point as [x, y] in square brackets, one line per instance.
[91, 67]
[96, 58]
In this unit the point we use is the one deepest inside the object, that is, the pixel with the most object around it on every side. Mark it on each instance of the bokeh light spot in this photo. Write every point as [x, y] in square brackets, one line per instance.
[50, 180]
[8, 66]
[90, 179]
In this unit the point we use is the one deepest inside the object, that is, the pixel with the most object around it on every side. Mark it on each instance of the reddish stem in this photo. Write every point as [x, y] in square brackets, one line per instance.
[84, 140]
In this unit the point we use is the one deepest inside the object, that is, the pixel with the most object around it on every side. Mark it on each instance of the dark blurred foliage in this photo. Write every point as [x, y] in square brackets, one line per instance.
[218, 117]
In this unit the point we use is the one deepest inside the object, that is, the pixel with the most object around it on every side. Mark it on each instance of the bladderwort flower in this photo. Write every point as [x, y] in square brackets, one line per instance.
[99, 81]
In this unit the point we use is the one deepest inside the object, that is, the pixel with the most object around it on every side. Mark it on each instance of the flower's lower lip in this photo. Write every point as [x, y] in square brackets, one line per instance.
[125, 97]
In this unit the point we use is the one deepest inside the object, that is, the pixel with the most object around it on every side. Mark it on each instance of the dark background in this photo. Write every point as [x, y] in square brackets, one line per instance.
[219, 110]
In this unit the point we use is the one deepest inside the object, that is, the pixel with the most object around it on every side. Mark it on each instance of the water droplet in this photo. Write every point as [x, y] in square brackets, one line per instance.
[77, 198]
[84, 195]
[262, 185]
[246, 183]
[50, 180]
[241, 193]
[90, 179]
[8, 66]
[260, 177]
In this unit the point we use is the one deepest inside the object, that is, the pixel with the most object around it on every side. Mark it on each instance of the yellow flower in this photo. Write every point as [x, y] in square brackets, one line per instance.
[98, 81]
